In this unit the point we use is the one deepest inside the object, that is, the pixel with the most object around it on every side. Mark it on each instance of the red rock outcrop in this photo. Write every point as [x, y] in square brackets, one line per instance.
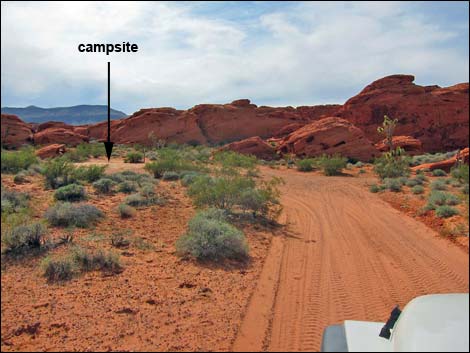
[53, 124]
[59, 136]
[438, 117]
[329, 136]
[254, 146]
[51, 151]
[411, 145]
[447, 164]
[15, 132]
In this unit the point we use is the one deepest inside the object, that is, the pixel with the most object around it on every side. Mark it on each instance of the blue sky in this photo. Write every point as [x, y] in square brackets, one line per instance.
[274, 53]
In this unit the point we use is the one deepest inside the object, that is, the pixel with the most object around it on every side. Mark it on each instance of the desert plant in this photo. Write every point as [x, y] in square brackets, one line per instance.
[439, 172]
[387, 129]
[15, 161]
[120, 239]
[461, 173]
[21, 177]
[465, 189]
[332, 165]
[170, 176]
[374, 188]
[392, 164]
[211, 238]
[126, 211]
[70, 193]
[89, 173]
[58, 270]
[104, 185]
[70, 215]
[417, 189]
[134, 157]
[13, 201]
[420, 177]
[412, 182]
[393, 184]
[438, 184]
[188, 178]
[23, 238]
[58, 172]
[98, 260]
[306, 165]
[127, 187]
[445, 211]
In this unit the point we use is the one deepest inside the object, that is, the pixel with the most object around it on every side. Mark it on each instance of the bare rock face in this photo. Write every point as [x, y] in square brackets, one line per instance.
[329, 136]
[437, 116]
[51, 151]
[254, 146]
[55, 135]
[15, 132]
[53, 124]
[411, 145]
[446, 165]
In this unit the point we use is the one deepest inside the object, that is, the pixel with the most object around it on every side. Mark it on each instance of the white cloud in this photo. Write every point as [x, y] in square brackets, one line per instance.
[313, 53]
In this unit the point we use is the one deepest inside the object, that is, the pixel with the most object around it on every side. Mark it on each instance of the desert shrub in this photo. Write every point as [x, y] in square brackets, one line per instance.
[13, 201]
[70, 193]
[306, 165]
[15, 161]
[439, 172]
[134, 157]
[70, 215]
[58, 270]
[465, 189]
[412, 182]
[393, 184]
[231, 159]
[146, 197]
[89, 173]
[392, 165]
[126, 211]
[431, 158]
[189, 178]
[261, 200]
[120, 239]
[332, 165]
[152, 155]
[417, 189]
[359, 164]
[170, 160]
[97, 260]
[374, 188]
[24, 238]
[445, 211]
[362, 171]
[438, 198]
[421, 177]
[212, 238]
[104, 185]
[84, 151]
[170, 176]
[461, 173]
[58, 172]
[127, 187]
[21, 177]
[438, 184]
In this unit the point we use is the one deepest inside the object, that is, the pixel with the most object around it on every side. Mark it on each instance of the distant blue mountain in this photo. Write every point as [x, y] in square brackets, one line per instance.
[76, 115]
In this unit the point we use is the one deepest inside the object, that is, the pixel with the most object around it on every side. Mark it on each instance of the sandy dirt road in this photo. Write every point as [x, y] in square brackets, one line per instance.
[347, 255]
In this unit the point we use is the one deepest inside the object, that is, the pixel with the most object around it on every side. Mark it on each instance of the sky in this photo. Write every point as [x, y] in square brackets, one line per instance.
[274, 53]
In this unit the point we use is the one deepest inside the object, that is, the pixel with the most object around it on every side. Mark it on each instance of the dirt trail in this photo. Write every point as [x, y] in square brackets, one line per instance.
[349, 255]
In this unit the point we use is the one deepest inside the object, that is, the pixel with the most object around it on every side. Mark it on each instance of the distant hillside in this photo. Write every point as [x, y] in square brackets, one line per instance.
[77, 115]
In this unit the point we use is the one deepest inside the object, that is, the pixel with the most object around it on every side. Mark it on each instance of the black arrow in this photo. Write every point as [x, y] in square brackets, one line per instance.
[108, 145]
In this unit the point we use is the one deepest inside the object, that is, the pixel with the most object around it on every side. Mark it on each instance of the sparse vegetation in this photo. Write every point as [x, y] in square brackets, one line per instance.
[445, 211]
[393, 184]
[14, 161]
[59, 269]
[438, 184]
[168, 176]
[89, 173]
[460, 173]
[392, 164]
[417, 189]
[70, 193]
[71, 215]
[58, 172]
[104, 185]
[24, 238]
[374, 188]
[127, 187]
[21, 177]
[126, 211]
[439, 172]
[306, 165]
[84, 151]
[438, 198]
[332, 165]
[134, 157]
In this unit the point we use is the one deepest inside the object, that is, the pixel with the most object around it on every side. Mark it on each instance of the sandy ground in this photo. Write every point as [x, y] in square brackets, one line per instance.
[350, 255]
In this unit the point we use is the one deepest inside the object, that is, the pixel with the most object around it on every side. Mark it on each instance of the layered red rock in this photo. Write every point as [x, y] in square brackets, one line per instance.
[15, 132]
[50, 151]
[329, 136]
[462, 156]
[438, 117]
[53, 124]
[59, 136]
[411, 145]
[255, 146]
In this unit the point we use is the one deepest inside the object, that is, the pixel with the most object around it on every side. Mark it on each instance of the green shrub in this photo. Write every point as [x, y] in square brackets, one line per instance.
[332, 165]
[58, 172]
[13, 201]
[306, 165]
[89, 173]
[58, 270]
[21, 177]
[24, 237]
[374, 188]
[70, 215]
[461, 173]
[412, 182]
[393, 184]
[438, 184]
[212, 238]
[14, 161]
[359, 164]
[126, 211]
[170, 176]
[120, 239]
[170, 160]
[362, 171]
[392, 165]
[134, 157]
[146, 197]
[84, 151]
[438, 198]
[446, 211]
[421, 178]
[417, 189]
[230, 159]
[71, 193]
[465, 189]
[127, 187]
[189, 178]
[439, 172]
[104, 186]
[97, 260]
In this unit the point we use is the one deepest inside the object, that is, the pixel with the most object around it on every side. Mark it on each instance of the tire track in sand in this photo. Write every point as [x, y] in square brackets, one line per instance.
[350, 256]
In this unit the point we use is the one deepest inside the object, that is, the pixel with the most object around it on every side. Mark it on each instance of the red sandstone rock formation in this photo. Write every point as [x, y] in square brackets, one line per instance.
[329, 136]
[411, 145]
[15, 132]
[254, 146]
[59, 135]
[447, 164]
[438, 117]
[53, 124]
[51, 151]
